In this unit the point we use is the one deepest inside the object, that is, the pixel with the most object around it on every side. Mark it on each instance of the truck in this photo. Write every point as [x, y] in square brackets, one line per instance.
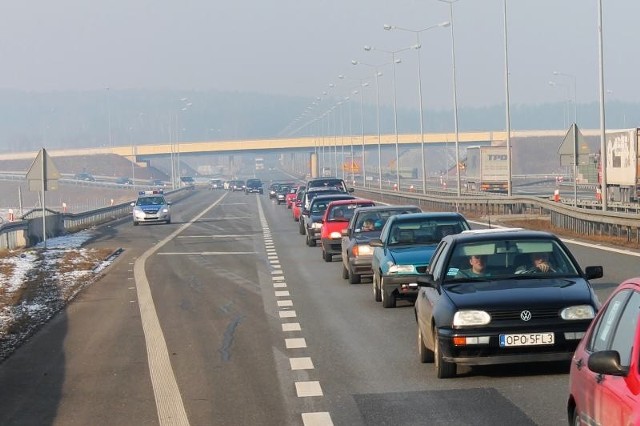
[622, 165]
[486, 168]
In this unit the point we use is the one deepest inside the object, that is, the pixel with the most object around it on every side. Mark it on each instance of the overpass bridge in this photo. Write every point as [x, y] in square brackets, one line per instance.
[146, 152]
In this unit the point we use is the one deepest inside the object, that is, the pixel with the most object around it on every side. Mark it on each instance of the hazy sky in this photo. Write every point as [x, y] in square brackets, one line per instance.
[299, 47]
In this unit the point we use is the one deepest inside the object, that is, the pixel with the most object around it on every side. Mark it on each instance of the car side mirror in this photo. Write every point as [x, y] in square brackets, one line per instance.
[593, 272]
[426, 281]
[375, 242]
[168, 203]
[351, 189]
[305, 212]
[606, 362]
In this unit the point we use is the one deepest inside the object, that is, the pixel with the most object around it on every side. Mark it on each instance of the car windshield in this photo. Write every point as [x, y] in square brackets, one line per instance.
[379, 218]
[328, 183]
[344, 213]
[424, 231]
[148, 201]
[509, 259]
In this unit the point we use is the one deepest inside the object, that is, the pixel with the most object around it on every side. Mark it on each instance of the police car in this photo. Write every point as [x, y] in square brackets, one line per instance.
[151, 206]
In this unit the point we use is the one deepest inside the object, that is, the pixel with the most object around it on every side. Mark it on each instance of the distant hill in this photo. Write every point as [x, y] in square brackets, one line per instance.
[58, 120]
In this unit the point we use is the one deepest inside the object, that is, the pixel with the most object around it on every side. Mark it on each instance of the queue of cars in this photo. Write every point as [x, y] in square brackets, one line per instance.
[493, 296]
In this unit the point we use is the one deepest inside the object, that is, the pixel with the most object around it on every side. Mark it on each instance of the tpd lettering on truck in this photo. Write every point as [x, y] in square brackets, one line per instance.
[493, 157]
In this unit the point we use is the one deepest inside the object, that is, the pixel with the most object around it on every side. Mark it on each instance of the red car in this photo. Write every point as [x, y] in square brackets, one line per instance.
[336, 219]
[296, 207]
[604, 383]
[290, 198]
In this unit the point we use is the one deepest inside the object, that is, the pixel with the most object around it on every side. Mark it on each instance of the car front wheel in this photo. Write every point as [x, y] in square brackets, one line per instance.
[444, 369]
[388, 298]
[425, 354]
[376, 289]
[345, 272]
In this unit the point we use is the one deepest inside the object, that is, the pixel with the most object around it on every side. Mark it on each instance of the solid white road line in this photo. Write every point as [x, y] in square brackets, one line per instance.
[169, 402]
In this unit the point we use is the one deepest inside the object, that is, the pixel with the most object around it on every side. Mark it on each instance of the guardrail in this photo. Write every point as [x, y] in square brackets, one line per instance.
[580, 220]
[583, 219]
[29, 230]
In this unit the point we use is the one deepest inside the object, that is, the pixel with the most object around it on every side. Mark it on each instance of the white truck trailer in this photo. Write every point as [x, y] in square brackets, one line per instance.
[623, 167]
[486, 169]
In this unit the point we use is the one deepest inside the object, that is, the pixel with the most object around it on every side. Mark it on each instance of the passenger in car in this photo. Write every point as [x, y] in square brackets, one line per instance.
[368, 225]
[478, 268]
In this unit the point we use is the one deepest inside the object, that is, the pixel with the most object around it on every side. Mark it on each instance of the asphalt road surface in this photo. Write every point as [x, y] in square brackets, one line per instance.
[226, 317]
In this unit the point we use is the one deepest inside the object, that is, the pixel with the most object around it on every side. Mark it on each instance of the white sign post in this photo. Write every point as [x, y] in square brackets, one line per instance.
[43, 176]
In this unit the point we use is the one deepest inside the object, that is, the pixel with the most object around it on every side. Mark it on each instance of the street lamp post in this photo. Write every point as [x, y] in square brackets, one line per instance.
[377, 74]
[394, 61]
[455, 95]
[418, 46]
[603, 147]
[565, 113]
[507, 104]
[362, 84]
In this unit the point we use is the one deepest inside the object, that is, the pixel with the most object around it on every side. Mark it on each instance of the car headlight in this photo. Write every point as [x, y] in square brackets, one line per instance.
[471, 318]
[335, 235]
[578, 312]
[165, 210]
[362, 250]
[316, 225]
[137, 210]
[402, 269]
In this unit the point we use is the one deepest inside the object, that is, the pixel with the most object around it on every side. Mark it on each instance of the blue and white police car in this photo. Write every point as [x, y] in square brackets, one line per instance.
[151, 206]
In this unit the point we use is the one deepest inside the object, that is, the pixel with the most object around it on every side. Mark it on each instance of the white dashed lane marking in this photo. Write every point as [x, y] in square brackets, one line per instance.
[291, 326]
[295, 343]
[302, 363]
[307, 388]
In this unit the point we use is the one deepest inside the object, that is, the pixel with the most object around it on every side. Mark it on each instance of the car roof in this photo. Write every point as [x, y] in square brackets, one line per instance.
[330, 197]
[504, 233]
[348, 201]
[428, 215]
[380, 208]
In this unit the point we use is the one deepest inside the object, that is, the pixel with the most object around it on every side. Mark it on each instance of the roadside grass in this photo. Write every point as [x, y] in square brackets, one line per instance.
[35, 284]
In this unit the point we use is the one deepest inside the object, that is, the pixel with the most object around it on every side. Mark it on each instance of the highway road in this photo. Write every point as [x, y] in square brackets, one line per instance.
[226, 317]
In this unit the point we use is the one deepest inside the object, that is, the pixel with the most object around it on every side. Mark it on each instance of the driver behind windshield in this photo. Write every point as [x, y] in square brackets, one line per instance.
[539, 262]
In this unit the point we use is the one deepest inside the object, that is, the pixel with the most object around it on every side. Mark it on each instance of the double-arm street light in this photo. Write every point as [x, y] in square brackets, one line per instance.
[394, 61]
[377, 75]
[575, 96]
[418, 46]
[362, 84]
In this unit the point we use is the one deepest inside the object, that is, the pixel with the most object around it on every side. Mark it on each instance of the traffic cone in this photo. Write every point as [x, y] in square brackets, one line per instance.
[556, 195]
[11, 216]
[412, 189]
[395, 186]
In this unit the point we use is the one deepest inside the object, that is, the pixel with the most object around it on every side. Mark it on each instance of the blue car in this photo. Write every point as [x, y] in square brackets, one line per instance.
[404, 249]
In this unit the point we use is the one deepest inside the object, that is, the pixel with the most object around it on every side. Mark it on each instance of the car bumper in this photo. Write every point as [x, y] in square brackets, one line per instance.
[332, 246]
[254, 191]
[492, 353]
[361, 265]
[147, 218]
[403, 286]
